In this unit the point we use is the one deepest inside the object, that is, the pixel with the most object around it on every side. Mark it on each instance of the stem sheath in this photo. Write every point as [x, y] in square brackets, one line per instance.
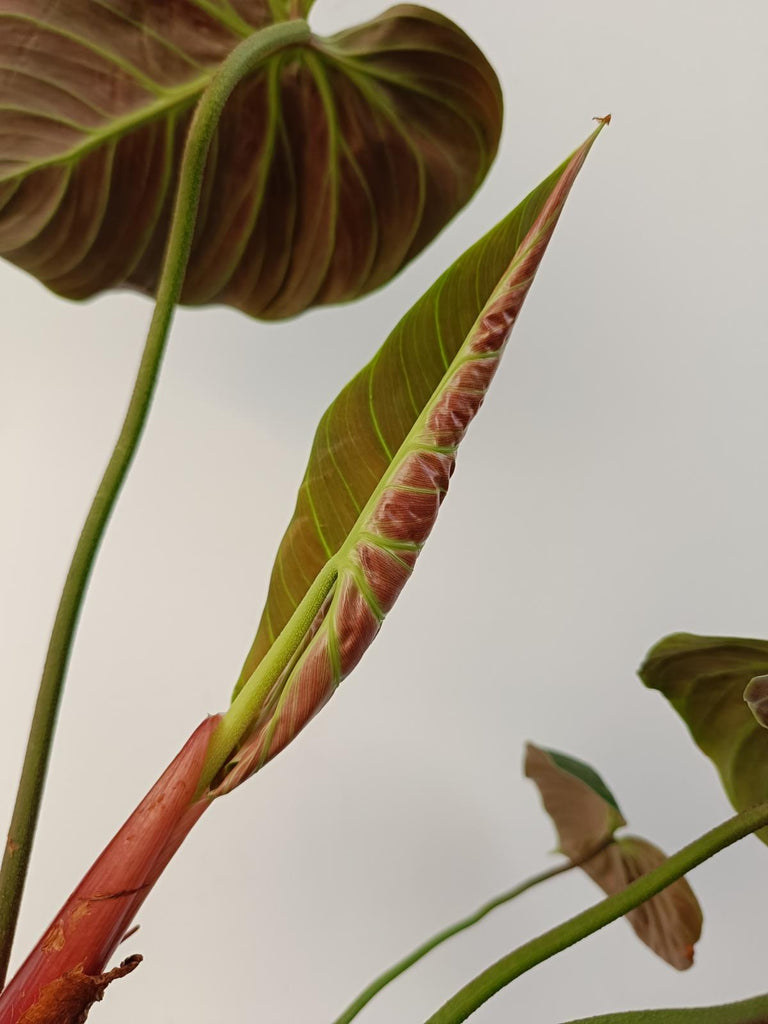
[243, 60]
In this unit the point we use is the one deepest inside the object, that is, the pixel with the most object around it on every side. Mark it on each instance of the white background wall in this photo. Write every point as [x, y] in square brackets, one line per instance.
[612, 490]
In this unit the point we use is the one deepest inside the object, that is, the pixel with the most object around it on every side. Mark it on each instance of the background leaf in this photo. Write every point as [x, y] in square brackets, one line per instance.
[586, 815]
[583, 809]
[381, 462]
[332, 167]
[704, 679]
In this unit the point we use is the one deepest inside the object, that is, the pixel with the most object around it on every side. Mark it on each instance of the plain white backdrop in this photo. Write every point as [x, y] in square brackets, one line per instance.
[612, 490]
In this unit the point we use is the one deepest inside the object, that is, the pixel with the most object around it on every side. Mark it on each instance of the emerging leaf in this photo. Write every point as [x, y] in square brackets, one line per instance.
[586, 816]
[382, 459]
[704, 679]
[332, 166]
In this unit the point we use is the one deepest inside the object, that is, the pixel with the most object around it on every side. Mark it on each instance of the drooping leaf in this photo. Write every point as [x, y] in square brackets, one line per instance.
[382, 459]
[704, 678]
[748, 1011]
[332, 166]
[586, 816]
[583, 809]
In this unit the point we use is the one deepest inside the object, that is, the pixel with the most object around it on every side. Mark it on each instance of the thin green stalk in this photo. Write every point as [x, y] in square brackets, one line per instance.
[747, 1011]
[447, 933]
[489, 982]
[245, 707]
[243, 59]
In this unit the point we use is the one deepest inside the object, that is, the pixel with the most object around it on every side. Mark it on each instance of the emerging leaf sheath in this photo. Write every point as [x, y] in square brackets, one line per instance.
[240, 62]
[252, 696]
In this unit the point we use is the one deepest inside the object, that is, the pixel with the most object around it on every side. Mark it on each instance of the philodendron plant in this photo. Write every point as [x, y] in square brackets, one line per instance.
[219, 151]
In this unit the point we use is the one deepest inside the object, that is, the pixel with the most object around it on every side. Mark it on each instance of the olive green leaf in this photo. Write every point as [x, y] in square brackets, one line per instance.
[586, 816]
[332, 166]
[704, 678]
[378, 471]
[748, 1011]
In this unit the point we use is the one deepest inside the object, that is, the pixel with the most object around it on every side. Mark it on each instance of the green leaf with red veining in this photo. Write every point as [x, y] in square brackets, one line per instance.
[332, 166]
[706, 679]
[382, 459]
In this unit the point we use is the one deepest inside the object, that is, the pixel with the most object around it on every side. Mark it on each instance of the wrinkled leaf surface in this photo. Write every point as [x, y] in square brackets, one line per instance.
[332, 166]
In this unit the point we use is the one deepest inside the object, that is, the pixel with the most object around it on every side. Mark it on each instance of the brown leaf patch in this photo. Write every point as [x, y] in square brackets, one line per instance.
[68, 999]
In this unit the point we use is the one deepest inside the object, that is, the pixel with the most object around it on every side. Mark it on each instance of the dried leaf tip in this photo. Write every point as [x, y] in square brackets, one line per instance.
[68, 999]
[605, 119]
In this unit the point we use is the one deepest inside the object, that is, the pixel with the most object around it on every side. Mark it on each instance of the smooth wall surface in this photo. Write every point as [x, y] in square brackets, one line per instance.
[612, 490]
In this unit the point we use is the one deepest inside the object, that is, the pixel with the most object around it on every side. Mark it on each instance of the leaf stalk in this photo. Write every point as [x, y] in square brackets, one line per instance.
[240, 62]
[490, 981]
[455, 929]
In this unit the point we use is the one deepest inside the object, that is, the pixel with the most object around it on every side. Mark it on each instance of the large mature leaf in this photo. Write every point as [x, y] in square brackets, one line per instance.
[704, 678]
[382, 459]
[748, 1011]
[586, 816]
[332, 166]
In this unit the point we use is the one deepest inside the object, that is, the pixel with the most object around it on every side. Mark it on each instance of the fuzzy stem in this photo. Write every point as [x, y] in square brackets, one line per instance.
[489, 982]
[243, 60]
[447, 933]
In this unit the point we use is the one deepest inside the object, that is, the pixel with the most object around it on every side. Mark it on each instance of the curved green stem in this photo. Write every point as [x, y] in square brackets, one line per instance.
[747, 1011]
[243, 59]
[447, 933]
[490, 981]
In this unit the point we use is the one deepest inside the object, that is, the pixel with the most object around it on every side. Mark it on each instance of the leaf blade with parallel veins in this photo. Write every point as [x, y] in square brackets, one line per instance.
[380, 467]
[331, 168]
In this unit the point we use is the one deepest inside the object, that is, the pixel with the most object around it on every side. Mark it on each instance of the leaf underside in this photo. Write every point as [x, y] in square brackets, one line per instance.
[331, 168]
[586, 816]
[382, 460]
[704, 679]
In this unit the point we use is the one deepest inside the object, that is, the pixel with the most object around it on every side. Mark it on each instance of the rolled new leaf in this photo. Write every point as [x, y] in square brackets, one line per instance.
[705, 678]
[586, 816]
[380, 466]
[332, 166]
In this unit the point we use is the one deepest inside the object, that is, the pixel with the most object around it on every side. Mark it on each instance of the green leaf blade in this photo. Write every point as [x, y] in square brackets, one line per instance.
[375, 413]
[332, 167]
[389, 462]
[704, 678]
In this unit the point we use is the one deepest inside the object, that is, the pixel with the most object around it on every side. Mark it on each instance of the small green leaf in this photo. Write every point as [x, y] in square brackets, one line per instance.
[705, 678]
[586, 816]
[332, 166]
